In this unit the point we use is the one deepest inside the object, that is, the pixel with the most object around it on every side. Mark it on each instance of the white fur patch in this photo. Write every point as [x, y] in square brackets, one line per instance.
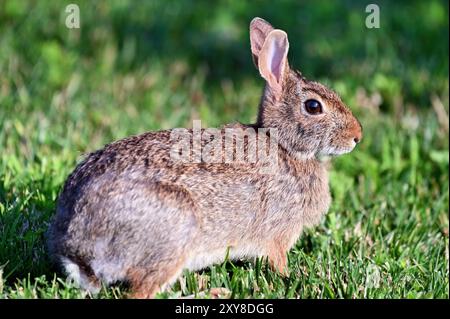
[205, 259]
[77, 277]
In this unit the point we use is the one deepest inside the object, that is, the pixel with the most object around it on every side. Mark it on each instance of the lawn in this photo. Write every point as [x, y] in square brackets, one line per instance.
[134, 67]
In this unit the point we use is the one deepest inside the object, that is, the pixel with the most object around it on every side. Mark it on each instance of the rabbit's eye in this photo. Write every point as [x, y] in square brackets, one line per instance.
[313, 107]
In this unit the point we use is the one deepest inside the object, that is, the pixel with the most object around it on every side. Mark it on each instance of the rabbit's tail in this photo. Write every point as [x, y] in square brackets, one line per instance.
[79, 276]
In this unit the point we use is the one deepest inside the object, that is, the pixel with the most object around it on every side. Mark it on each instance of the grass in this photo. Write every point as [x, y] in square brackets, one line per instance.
[134, 67]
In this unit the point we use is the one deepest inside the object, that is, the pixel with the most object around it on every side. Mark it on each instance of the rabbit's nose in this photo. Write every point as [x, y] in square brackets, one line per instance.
[357, 133]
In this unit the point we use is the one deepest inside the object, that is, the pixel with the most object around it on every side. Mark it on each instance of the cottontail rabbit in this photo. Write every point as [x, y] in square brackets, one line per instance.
[130, 212]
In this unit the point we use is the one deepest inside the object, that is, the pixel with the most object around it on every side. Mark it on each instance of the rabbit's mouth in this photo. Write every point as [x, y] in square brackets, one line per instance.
[336, 151]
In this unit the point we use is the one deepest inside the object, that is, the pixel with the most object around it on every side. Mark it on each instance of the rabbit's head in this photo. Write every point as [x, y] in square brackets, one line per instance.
[311, 120]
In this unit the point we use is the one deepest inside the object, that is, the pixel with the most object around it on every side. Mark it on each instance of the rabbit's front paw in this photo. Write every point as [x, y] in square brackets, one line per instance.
[278, 260]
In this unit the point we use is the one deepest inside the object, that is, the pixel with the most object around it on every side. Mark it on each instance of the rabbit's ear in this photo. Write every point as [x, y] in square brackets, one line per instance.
[272, 60]
[259, 30]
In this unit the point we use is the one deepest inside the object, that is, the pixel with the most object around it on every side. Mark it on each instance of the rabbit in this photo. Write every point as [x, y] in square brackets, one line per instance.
[130, 213]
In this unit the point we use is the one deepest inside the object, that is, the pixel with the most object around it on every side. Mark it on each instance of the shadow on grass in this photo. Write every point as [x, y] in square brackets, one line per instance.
[27, 210]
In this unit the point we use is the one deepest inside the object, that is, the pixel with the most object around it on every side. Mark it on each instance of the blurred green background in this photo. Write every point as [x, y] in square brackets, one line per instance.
[135, 66]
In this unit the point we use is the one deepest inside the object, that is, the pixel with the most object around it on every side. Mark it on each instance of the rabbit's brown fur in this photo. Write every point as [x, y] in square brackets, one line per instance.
[130, 213]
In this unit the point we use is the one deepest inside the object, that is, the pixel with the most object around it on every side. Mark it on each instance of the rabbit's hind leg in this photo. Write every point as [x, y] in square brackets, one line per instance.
[145, 283]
